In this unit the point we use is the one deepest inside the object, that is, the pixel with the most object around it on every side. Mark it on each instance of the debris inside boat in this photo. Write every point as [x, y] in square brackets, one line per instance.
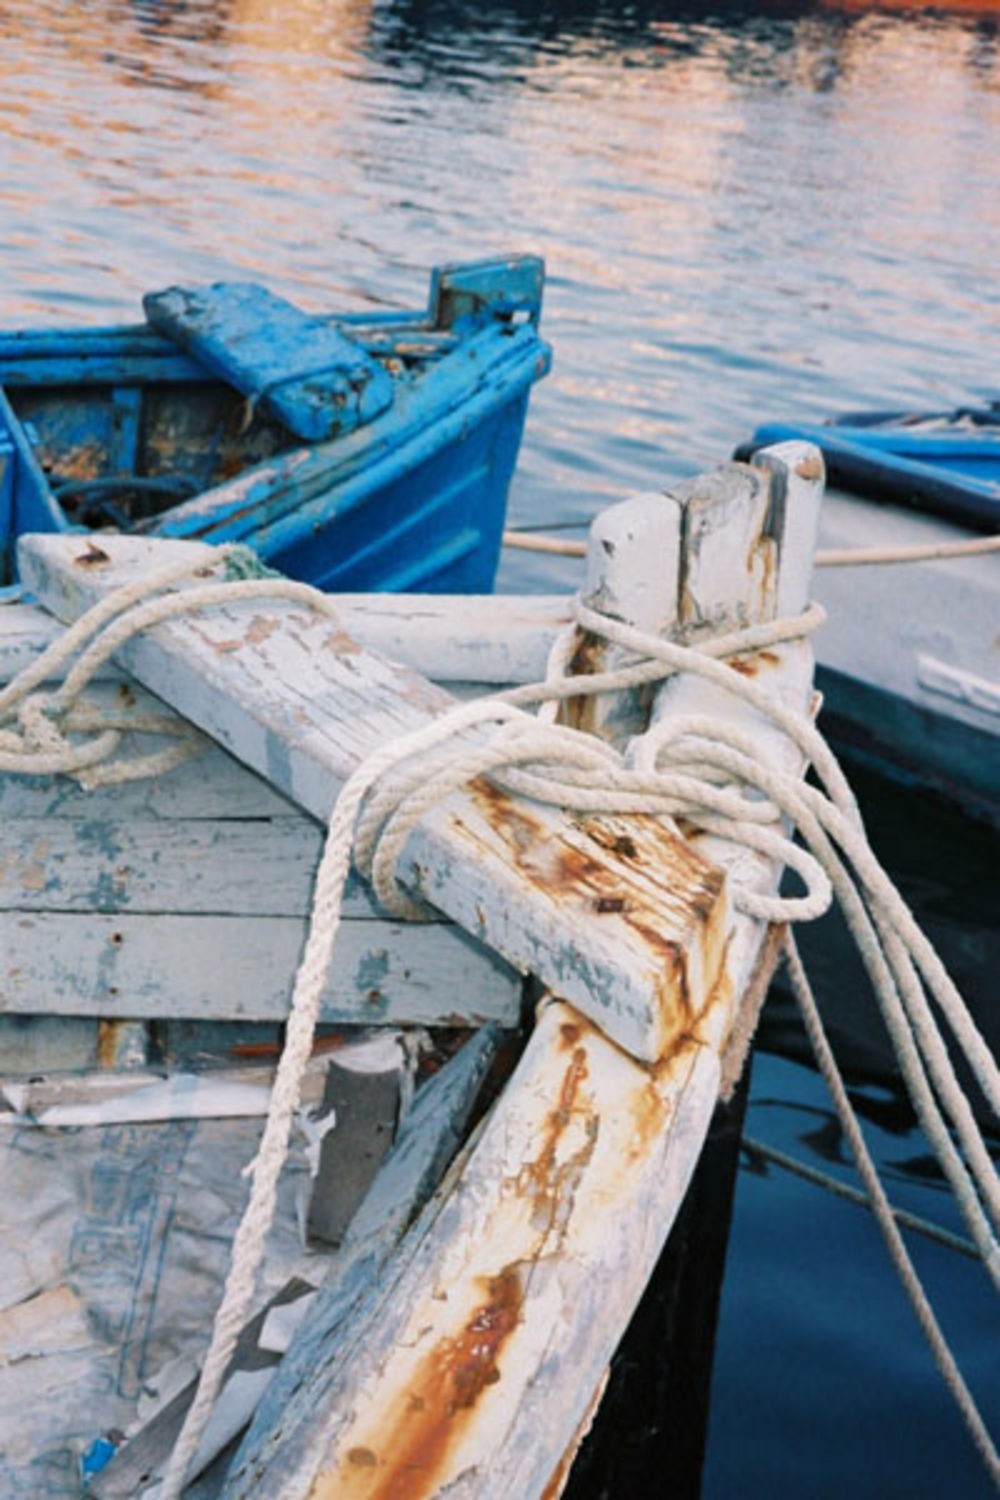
[487, 1057]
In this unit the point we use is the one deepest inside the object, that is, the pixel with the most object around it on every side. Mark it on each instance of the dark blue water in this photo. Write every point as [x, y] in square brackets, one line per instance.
[744, 209]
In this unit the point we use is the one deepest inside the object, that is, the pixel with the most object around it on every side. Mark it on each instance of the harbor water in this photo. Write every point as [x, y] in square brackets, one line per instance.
[747, 211]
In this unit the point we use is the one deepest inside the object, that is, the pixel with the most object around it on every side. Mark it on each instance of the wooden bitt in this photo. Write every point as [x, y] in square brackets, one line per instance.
[620, 917]
[633, 569]
[716, 601]
[659, 1381]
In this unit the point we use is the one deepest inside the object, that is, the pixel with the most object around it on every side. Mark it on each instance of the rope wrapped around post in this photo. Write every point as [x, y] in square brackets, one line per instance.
[688, 768]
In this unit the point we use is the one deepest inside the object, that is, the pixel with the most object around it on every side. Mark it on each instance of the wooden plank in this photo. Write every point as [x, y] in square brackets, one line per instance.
[487, 638]
[428, 1138]
[187, 866]
[241, 969]
[471, 1373]
[626, 927]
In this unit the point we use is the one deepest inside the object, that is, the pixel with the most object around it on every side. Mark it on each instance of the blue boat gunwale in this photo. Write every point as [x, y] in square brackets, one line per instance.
[231, 511]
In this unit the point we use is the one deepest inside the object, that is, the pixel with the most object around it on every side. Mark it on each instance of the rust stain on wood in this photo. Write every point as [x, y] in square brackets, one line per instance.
[260, 629]
[92, 557]
[438, 1406]
[427, 1420]
[751, 664]
[109, 1033]
[587, 659]
[616, 875]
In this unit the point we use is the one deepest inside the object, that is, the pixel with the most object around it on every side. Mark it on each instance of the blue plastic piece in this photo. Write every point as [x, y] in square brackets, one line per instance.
[97, 1457]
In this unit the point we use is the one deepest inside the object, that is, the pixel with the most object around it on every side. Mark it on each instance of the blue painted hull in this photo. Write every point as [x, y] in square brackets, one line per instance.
[118, 427]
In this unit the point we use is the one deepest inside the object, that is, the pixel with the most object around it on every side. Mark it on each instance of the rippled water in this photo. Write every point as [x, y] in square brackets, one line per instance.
[744, 210]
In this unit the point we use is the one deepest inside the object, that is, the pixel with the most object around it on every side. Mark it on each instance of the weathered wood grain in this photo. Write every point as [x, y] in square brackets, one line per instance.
[147, 966]
[625, 927]
[470, 1372]
[486, 638]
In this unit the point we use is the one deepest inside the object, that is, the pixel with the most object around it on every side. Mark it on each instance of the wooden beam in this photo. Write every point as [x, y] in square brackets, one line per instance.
[487, 638]
[619, 916]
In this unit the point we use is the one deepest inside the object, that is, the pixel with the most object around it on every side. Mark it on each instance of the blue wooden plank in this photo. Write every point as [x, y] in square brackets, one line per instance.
[311, 377]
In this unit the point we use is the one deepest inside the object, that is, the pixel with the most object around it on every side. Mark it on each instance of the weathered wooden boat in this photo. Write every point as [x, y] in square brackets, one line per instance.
[369, 450]
[908, 658]
[438, 1306]
[452, 1330]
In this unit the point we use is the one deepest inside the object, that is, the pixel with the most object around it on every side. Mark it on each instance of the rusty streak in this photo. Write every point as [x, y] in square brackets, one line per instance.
[750, 665]
[440, 1401]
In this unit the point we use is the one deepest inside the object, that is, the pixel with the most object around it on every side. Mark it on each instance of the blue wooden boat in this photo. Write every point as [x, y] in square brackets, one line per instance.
[370, 451]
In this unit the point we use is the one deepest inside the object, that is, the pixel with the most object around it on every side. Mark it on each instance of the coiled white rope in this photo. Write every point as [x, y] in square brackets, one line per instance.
[680, 768]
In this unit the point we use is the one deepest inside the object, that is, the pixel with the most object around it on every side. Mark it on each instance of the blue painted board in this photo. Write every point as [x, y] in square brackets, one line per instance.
[26, 502]
[316, 381]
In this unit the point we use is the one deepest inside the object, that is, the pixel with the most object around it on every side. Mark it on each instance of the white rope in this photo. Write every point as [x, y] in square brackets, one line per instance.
[693, 767]
[40, 745]
[841, 557]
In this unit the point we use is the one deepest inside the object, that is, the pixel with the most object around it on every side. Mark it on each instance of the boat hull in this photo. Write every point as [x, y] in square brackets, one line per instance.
[119, 428]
